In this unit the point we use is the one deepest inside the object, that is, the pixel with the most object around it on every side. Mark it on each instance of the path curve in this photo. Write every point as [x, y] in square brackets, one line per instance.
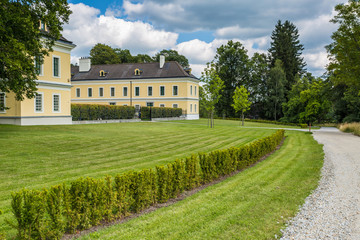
[332, 211]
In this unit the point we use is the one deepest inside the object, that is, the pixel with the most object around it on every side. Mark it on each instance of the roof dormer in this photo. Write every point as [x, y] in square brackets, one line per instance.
[137, 72]
[102, 73]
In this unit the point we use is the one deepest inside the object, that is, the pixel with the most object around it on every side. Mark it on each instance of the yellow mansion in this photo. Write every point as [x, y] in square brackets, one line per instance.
[164, 84]
[52, 102]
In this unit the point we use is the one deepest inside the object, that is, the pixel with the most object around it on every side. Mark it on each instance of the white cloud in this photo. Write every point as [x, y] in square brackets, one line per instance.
[86, 29]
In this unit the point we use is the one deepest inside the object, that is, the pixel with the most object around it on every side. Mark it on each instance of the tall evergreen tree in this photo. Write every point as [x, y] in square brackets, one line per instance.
[232, 65]
[286, 47]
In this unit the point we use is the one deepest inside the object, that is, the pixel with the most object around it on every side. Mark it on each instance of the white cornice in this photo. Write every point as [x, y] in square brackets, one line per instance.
[136, 81]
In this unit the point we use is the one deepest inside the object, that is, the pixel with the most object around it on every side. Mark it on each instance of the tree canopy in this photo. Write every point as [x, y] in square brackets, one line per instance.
[21, 40]
[241, 101]
[285, 46]
[172, 55]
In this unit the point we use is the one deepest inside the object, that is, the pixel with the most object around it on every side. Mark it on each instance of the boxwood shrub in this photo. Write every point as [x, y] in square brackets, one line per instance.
[101, 112]
[160, 112]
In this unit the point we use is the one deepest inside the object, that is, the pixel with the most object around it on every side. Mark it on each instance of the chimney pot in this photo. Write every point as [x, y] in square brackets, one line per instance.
[162, 61]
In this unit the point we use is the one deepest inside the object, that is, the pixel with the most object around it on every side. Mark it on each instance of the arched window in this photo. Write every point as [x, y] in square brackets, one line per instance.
[102, 73]
[137, 72]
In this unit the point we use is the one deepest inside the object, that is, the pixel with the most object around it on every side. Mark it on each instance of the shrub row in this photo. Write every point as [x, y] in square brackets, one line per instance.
[86, 202]
[160, 112]
[264, 121]
[105, 112]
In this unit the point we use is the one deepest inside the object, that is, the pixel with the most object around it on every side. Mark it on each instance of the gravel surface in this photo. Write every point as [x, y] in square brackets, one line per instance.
[332, 211]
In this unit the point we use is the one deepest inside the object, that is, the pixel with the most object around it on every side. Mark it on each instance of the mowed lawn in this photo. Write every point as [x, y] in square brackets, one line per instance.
[35, 157]
[254, 204]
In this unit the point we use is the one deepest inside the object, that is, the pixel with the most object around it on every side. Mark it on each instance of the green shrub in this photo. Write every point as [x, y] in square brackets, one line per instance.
[160, 112]
[104, 112]
[302, 125]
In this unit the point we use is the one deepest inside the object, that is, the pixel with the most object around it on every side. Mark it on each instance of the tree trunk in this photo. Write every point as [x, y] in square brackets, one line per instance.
[242, 115]
[211, 118]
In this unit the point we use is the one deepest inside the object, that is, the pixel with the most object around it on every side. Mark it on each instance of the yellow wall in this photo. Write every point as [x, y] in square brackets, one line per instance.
[47, 73]
[13, 105]
[183, 99]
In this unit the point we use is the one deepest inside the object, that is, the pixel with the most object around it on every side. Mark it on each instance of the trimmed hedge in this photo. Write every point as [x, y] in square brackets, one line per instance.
[86, 202]
[160, 112]
[104, 112]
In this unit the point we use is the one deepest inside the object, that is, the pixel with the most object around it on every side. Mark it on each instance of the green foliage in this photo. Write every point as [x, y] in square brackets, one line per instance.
[22, 40]
[87, 202]
[285, 46]
[104, 112]
[232, 65]
[241, 101]
[103, 54]
[172, 55]
[160, 112]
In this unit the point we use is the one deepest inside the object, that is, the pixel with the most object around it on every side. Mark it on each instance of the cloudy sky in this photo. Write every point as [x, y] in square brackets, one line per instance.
[196, 28]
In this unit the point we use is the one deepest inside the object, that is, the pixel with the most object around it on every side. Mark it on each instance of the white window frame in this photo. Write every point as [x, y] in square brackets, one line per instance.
[41, 68]
[53, 105]
[191, 90]
[59, 70]
[92, 93]
[150, 102]
[177, 86]
[4, 110]
[100, 92]
[42, 102]
[190, 107]
[137, 106]
[160, 90]
[195, 91]
[177, 105]
[112, 95]
[195, 108]
[76, 92]
[162, 104]
[127, 90]
[112, 103]
[152, 91]
[135, 91]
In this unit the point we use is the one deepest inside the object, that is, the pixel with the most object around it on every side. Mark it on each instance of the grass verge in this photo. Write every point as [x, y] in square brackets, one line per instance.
[254, 204]
[351, 127]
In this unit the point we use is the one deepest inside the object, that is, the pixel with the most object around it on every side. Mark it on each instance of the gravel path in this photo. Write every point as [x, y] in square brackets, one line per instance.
[332, 211]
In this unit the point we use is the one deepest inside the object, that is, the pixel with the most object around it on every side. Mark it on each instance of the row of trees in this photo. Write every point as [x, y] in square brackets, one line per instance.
[278, 85]
[104, 54]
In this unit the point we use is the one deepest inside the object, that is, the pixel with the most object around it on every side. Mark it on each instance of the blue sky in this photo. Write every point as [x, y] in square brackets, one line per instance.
[197, 28]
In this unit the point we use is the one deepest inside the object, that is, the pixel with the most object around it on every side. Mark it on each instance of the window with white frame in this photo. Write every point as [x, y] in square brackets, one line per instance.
[125, 91]
[56, 102]
[195, 91]
[38, 66]
[162, 105]
[149, 91]
[175, 90]
[162, 90]
[190, 107]
[112, 92]
[137, 107]
[39, 102]
[89, 92]
[195, 108]
[191, 90]
[101, 92]
[175, 105]
[150, 104]
[112, 103]
[137, 91]
[56, 66]
[2, 102]
[78, 92]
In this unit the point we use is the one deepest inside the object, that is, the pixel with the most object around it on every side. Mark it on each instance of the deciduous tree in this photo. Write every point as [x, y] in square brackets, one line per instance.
[21, 39]
[241, 101]
[172, 55]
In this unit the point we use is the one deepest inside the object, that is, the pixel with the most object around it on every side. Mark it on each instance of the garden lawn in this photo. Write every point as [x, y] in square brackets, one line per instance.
[36, 157]
[254, 204]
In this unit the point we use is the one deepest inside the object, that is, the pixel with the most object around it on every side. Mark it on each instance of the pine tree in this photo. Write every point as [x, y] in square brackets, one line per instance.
[286, 47]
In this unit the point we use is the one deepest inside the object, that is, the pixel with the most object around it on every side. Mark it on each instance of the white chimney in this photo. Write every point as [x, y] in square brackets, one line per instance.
[84, 64]
[162, 61]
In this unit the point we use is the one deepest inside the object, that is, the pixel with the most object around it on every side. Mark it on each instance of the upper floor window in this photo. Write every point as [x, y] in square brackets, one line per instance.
[137, 72]
[102, 73]
[125, 91]
[162, 90]
[195, 91]
[2, 102]
[39, 102]
[42, 25]
[56, 66]
[191, 90]
[175, 90]
[38, 65]
[112, 92]
[89, 92]
[78, 92]
[56, 103]
[137, 91]
[101, 92]
[149, 91]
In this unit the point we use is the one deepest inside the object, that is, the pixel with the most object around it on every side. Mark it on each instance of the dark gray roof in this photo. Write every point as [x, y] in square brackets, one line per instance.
[170, 69]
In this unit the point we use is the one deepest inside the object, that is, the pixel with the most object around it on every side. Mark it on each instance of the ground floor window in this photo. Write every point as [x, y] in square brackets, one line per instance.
[175, 105]
[78, 92]
[112, 103]
[56, 102]
[150, 104]
[190, 107]
[39, 102]
[162, 105]
[2, 102]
